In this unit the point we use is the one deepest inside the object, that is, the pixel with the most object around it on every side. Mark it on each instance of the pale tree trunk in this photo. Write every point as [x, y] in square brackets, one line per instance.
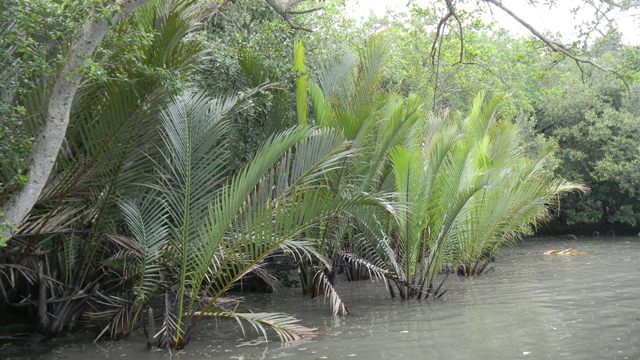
[47, 145]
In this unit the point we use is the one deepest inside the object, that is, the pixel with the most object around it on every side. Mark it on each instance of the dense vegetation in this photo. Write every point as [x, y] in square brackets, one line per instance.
[206, 140]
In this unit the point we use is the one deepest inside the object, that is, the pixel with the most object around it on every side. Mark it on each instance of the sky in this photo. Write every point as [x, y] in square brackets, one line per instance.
[558, 20]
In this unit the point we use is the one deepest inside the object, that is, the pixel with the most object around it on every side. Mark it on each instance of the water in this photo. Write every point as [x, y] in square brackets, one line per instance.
[529, 307]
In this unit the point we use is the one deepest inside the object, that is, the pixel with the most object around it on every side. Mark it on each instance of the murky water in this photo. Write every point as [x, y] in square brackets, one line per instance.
[530, 307]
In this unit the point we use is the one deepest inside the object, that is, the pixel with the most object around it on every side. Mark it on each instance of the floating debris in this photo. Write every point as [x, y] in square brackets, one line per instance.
[254, 342]
[565, 252]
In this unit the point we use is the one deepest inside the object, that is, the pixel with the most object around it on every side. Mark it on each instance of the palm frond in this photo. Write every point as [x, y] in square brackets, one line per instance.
[324, 286]
[287, 328]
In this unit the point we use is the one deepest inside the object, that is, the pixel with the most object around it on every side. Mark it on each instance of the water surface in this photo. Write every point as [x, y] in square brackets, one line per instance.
[529, 307]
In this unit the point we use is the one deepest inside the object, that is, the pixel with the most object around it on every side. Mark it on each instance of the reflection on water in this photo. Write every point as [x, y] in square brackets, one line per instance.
[531, 307]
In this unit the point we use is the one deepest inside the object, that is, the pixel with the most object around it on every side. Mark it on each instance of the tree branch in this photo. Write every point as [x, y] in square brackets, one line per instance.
[453, 13]
[284, 10]
[299, 12]
[485, 68]
[557, 47]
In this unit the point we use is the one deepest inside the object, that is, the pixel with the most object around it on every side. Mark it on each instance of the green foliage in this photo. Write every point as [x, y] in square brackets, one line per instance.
[249, 45]
[598, 135]
[112, 126]
[248, 29]
[347, 97]
[469, 188]
[200, 231]
[31, 34]
[165, 197]
[462, 185]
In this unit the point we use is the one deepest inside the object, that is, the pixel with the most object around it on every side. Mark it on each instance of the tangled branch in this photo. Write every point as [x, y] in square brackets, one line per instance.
[284, 9]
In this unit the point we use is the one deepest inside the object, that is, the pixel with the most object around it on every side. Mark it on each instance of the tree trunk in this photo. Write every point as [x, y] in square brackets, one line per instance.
[46, 147]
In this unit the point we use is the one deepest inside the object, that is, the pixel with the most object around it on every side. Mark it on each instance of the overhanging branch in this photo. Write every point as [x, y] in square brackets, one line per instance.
[557, 47]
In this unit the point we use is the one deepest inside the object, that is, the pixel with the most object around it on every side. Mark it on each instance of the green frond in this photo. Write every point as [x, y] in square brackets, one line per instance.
[149, 228]
[323, 285]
